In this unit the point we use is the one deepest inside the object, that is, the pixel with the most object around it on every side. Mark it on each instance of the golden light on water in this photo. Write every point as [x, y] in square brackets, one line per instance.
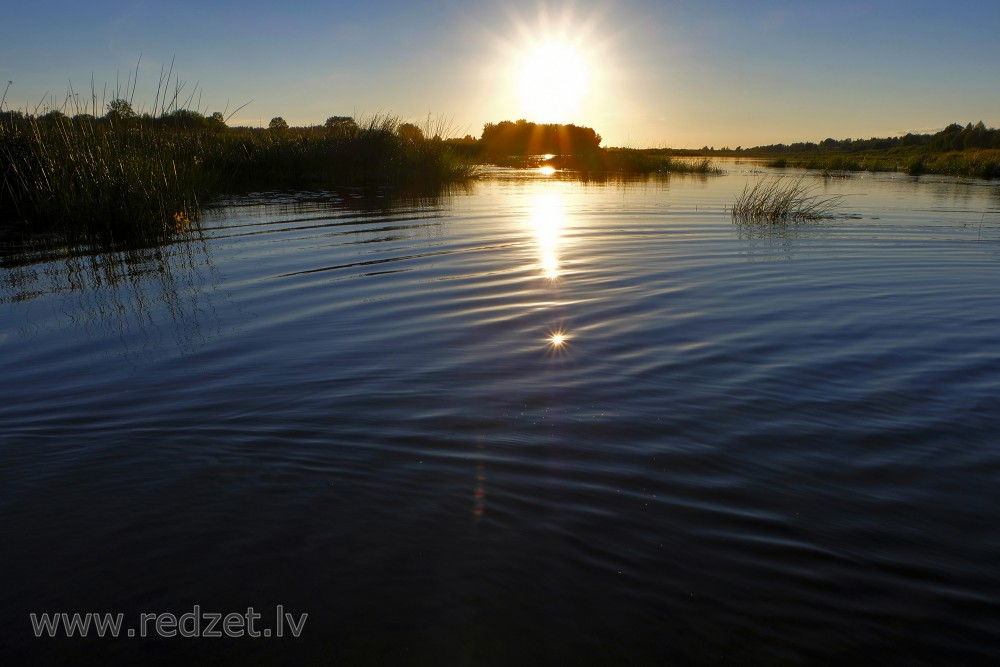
[557, 339]
[546, 170]
[547, 218]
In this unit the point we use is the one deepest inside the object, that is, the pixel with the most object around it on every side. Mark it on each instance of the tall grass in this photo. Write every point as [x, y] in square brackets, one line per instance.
[100, 175]
[115, 173]
[779, 200]
[838, 162]
[973, 164]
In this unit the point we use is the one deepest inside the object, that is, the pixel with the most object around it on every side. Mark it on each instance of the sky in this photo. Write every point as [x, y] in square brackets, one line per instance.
[643, 73]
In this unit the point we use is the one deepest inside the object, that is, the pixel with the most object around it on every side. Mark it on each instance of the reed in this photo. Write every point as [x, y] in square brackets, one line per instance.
[100, 175]
[120, 171]
[780, 200]
[838, 163]
[969, 163]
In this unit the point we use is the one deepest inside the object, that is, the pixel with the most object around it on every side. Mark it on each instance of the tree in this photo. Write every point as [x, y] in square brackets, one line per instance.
[277, 124]
[119, 109]
[183, 118]
[340, 123]
[410, 133]
[976, 136]
[525, 138]
[54, 116]
[216, 121]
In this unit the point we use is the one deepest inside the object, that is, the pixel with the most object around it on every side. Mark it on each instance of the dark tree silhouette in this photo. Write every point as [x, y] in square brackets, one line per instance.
[216, 121]
[120, 109]
[340, 124]
[410, 133]
[526, 138]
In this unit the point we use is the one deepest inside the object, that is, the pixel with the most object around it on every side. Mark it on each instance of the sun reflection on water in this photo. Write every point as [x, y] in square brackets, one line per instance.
[548, 215]
[557, 342]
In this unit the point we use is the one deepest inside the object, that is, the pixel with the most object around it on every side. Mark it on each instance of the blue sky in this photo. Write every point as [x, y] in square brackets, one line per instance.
[682, 73]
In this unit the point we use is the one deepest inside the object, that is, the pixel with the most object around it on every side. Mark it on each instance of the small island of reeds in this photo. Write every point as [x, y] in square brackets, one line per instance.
[775, 200]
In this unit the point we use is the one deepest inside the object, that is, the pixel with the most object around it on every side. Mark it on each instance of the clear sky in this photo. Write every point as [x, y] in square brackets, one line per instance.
[680, 73]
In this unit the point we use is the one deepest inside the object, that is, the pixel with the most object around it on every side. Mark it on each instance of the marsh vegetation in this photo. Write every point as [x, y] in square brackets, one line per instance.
[123, 169]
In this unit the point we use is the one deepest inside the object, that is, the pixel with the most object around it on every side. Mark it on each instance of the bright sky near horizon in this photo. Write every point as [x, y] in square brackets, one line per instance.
[678, 73]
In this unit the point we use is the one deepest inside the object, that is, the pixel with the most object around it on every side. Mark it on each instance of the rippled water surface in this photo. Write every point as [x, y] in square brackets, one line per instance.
[535, 421]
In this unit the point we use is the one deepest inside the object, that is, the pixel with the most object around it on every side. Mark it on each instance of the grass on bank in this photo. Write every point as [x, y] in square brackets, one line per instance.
[118, 173]
[972, 164]
[778, 200]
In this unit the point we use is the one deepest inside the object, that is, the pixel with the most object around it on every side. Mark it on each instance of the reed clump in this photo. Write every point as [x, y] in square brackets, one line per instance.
[780, 200]
[838, 163]
[972, 164]
[100, 175]
[126, 171]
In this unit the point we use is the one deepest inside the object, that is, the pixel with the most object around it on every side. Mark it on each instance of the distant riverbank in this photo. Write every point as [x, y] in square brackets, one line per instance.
[972, 151]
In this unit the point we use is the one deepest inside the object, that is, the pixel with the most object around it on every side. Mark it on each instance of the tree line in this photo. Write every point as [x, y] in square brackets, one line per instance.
[120, 111]
[955, 137]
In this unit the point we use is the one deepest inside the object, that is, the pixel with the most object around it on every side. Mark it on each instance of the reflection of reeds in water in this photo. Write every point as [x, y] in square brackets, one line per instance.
[778, 200]
[136, 292]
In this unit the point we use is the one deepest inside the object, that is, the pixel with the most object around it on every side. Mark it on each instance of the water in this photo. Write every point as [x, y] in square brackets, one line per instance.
[538, 421]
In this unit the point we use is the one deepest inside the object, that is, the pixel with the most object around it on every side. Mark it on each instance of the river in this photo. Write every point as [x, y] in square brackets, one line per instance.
[535, 420]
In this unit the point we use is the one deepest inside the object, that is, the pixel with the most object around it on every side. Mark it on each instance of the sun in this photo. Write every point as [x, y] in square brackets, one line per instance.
[552, 81]
[553, 65]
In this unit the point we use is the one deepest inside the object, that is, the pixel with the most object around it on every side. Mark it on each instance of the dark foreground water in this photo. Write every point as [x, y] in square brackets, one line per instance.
[754, 445]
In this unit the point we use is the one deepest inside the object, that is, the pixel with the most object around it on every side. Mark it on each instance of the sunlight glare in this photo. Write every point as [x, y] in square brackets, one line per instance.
[552, 81]
[554, 65]
[548, 213]
[557, 341]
